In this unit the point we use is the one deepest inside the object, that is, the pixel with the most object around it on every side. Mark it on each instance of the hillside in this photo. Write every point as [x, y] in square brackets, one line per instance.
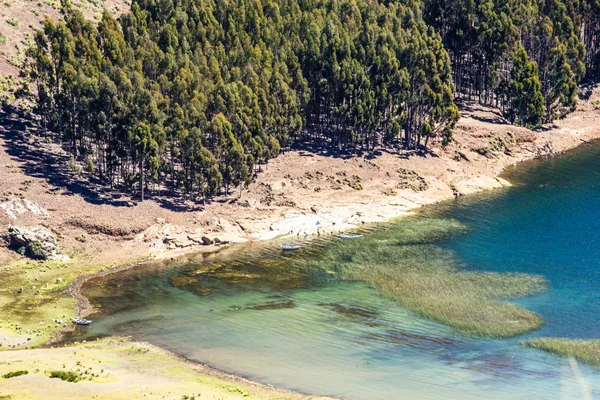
[293, 192]
[19, 19]
[186, 126]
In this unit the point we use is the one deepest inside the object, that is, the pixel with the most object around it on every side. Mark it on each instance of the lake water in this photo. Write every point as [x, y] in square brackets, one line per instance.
[276, 318]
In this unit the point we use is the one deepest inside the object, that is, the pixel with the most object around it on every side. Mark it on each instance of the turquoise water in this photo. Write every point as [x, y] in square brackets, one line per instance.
[276, 318]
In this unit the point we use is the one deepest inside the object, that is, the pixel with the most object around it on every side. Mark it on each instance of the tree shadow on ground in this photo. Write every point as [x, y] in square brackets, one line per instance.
[25, 143]
[473, 109]
[310, 148]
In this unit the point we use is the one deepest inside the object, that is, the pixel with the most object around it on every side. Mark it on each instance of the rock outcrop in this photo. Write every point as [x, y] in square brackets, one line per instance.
[14, 207]
[36, 242]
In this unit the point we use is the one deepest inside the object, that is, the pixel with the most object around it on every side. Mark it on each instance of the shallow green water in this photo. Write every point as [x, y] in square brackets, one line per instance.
[319, 321]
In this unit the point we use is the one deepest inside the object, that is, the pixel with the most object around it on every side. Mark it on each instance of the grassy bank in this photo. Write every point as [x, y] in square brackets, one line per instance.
[116, 368]
[32, 306]
[587, 351]
[112, 368]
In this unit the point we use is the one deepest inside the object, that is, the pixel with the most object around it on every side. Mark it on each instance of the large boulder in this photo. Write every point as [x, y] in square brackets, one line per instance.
[35, 242]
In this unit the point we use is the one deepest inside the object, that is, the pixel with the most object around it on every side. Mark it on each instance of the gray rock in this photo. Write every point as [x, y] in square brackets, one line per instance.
[36, 242]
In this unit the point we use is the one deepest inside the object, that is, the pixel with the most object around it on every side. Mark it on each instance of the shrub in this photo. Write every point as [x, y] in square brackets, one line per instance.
[12, 374]
[73, 166]
[13, 22]
[89, 166]
[65, 376]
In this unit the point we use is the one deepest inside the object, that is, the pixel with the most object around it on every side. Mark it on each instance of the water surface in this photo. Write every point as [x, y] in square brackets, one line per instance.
[276, 318]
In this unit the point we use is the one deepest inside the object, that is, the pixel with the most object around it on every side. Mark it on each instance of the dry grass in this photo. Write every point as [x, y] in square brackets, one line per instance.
[587, 351]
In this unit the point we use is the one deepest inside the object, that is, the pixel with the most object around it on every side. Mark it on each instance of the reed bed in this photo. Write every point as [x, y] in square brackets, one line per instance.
[403, 263]
[587, 351]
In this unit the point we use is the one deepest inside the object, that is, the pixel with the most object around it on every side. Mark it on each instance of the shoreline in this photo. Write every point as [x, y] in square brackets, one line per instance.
[85, 308]
[128, 240]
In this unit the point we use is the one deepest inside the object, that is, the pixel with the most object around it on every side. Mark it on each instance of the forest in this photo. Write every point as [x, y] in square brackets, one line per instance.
[195, 96]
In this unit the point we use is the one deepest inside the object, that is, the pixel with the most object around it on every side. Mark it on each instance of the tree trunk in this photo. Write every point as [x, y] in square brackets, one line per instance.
[142, 177]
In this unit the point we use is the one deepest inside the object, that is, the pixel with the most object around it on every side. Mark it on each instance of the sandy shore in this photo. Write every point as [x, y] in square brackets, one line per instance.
[302, 192]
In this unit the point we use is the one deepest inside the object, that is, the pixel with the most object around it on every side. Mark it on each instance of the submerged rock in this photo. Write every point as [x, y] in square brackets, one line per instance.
[36, 242]
[273, 305]
[351, 311]
[181, 281]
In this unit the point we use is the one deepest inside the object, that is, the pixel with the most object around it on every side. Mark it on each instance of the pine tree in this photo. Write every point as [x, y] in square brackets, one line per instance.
[526, 102]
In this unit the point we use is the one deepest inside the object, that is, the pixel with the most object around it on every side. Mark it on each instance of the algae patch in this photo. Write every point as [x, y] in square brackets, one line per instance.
[273, 305]
[404, 263]
[587, 351]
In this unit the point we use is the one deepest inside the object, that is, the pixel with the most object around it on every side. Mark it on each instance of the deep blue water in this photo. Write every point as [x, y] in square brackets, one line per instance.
[547, 224]
[371, 348]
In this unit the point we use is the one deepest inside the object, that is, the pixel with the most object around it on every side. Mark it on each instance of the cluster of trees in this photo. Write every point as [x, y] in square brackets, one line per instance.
[194, 95]
[590, 32]
[525, 56]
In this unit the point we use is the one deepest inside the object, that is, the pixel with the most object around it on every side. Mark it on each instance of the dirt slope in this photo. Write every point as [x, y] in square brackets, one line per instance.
[293, 193]
[20, 18]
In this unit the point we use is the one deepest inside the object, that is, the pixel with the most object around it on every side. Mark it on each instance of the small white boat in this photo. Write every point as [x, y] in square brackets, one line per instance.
[345, 236]
[83, 322]
[290, 247]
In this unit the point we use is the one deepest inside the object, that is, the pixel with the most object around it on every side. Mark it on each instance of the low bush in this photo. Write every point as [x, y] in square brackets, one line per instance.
[65, 376]
[12, 374]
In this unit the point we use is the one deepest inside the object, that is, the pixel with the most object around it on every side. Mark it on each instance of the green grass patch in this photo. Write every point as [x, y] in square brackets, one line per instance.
[34, 314]
[587, 351]
[66, 376]
[13, 374]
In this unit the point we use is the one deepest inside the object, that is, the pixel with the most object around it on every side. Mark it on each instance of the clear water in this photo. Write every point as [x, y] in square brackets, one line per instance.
[268, 317]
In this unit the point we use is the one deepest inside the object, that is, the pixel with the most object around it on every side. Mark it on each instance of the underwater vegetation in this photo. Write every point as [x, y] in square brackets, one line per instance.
[402, 262]
[587, 351]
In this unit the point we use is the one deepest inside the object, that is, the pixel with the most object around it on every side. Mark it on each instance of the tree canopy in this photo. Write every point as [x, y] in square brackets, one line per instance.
[487, 40]
[195, 94]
